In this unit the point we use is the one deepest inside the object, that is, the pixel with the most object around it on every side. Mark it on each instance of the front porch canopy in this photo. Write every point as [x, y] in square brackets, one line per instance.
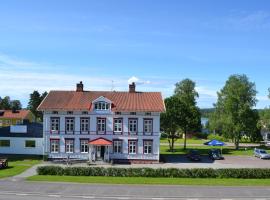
[100, 142]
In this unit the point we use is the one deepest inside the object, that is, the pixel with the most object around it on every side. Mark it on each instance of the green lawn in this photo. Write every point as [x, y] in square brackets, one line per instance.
[181, 141]
[153, 181]
[18, 164]
[164, 149]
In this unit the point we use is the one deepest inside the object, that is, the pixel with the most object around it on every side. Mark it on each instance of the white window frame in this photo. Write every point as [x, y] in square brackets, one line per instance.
[147, 146]
[70, 124]
[148, 126]
[55, 124]
[133, 126]
[101, 125]
[54, 146]
[84, 145]
[69, 145]
[85, 124]
[132, 146]
[102, 105]
[117, 146]
[5, 146]
[118, 125]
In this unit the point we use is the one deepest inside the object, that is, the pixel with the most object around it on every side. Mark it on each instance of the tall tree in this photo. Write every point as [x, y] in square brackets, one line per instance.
[16, 105]
[5, 103]
[34, 102]
[190, 113]
[235, 107]
[170, 120]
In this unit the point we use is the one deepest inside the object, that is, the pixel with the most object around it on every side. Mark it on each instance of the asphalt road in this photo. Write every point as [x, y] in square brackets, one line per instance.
[21, 190]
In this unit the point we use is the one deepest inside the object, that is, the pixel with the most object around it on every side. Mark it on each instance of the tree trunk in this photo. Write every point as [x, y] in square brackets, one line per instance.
[236, 142]
[172, 144]
[185, 140]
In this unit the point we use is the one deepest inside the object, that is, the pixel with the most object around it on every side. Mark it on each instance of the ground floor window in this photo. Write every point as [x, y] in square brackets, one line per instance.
[4, 143]
[84, 146]
[117, 146]
[54, 146]
[69, 145]
[132, 146]
[30, 143]
[147, 146]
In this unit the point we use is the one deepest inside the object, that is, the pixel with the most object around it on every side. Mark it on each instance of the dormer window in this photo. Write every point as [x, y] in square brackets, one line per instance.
[102, 105]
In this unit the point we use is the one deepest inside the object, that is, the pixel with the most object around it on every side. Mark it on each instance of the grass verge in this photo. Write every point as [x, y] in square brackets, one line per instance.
[18, 164]
[152, 181]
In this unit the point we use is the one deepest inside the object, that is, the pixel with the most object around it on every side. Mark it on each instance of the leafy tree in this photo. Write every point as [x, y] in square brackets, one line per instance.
[16, 105]
[5, 103]
[190, 114]
[34, 101]
[234, 108]
[170, 120]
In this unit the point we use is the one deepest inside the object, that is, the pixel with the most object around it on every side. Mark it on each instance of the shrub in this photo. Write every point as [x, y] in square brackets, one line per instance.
[160, 172]
[215, 137]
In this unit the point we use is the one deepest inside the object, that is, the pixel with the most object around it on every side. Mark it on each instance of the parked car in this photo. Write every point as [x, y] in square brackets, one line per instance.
[215, 154]
[261, 153]
[194, 155]
[3, 163]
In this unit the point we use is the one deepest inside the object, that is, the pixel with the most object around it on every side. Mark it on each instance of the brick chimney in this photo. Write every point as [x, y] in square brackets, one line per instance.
[132, 87]
[79, 87]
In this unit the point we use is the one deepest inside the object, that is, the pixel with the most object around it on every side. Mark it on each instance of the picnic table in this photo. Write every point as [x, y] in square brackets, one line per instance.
[3, 163]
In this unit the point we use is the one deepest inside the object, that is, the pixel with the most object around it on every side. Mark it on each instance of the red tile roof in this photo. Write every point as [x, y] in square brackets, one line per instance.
[19, 114]
[122, 101]
[100, 141]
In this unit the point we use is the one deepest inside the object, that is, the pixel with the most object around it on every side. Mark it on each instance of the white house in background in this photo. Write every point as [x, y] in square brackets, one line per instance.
[22, 139]
[102, 125]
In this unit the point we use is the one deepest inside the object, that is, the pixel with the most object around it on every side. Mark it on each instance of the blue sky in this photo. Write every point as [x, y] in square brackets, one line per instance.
[50, 44]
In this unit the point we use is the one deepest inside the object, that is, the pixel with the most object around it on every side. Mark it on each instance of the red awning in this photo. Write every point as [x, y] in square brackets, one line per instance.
[100, 142]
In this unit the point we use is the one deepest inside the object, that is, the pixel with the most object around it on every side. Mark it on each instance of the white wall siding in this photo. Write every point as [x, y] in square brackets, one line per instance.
[17, 146]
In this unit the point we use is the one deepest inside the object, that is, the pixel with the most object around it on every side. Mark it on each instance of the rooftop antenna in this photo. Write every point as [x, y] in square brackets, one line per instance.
[112, 88]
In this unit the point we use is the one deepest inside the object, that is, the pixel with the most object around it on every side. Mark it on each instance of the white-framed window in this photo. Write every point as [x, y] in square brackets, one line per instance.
[1, 122]
[69, 124]
[70, 112]
[18, 121]
[84, 145]
[69, 144]
[55, 146]
[102, 105]
[84, 124]
[118, 124]
[148, 126]
[132, 126]
[132, 146]
[4, 143]
[101, 124]
[8, 122]
[30, 143]
[117, 146]
[55, 123]
[147, 146]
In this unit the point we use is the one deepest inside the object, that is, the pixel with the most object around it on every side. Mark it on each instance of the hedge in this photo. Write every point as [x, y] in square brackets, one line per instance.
[245, 173]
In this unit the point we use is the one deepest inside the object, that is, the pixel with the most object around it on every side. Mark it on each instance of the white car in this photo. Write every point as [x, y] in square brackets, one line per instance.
[261, 153]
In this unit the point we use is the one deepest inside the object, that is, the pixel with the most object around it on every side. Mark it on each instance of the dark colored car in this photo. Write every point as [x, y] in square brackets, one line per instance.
[194, 155]
[215, 154]
[3, 163]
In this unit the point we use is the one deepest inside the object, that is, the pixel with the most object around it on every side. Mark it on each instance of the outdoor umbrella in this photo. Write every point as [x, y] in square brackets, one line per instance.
[215, 143]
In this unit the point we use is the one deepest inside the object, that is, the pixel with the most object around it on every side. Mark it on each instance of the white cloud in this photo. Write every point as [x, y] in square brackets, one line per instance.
[137, 81]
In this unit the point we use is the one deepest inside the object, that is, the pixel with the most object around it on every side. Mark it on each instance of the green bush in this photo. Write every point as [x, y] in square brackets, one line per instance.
[215, 137]
[160, 172]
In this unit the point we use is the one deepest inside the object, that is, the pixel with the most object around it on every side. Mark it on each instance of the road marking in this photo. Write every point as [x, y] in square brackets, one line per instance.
[21, 194]
[54, 195]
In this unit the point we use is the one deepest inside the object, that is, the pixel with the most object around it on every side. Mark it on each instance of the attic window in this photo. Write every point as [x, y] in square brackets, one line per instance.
[148, 113]
[133, 113]
[55, 112]
[70, 112]
[85, 113]
[118, 113]
[102, 105]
